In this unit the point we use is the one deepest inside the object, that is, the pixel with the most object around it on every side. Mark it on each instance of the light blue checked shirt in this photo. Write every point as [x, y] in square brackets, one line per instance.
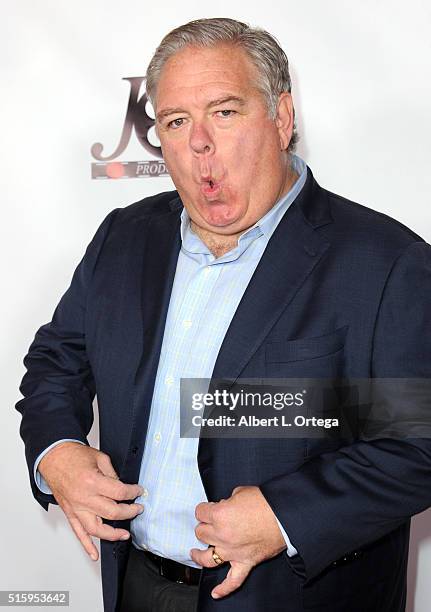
[205, 295]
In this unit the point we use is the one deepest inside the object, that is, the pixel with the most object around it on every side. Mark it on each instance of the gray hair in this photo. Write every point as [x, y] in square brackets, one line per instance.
[261, 47]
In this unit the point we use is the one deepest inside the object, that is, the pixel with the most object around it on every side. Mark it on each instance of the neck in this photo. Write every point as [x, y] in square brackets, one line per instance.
[218, 244]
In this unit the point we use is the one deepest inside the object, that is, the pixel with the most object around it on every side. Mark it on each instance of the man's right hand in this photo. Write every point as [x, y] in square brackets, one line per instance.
[87, 488]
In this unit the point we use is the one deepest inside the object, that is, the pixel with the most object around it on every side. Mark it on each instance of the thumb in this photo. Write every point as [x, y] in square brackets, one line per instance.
[235, 577]
[105, 466]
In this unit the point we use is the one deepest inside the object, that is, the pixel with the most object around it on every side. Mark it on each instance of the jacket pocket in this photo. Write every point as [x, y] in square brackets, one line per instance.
[282, 351]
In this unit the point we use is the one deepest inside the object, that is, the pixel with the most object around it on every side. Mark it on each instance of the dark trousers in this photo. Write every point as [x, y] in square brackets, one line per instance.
[144, 590]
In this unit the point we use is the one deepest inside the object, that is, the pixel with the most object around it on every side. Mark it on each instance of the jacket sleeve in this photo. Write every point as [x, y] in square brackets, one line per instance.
[342, 500]
[58, 387]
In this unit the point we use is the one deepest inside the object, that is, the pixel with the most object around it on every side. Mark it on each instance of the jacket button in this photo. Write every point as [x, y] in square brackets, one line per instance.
[135, 450]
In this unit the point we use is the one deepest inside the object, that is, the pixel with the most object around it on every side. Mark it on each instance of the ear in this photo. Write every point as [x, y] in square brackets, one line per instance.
[284, 119]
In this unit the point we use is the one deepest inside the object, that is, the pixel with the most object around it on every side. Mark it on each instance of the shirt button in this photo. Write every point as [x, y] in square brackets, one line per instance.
[157, 437]
[145, 493]
[187, 324]
[169, 380]
[206, 270]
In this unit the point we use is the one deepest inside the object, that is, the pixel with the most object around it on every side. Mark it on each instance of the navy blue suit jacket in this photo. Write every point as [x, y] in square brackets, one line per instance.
[340, 290]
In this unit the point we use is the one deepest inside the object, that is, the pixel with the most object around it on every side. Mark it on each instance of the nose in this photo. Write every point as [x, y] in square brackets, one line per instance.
[201, 141]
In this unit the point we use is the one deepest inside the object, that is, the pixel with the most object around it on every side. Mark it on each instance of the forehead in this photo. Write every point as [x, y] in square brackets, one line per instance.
[195, 73]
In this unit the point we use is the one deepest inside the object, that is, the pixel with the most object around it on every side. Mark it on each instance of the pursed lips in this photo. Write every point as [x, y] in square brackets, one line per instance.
[210, 187]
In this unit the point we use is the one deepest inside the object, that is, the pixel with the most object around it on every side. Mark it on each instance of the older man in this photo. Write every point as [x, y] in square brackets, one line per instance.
[249, 269]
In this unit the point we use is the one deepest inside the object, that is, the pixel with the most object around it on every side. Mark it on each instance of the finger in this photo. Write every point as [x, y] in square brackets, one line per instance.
[105, 465]
[204, 512]
[112, 488]
[205, 557]
[235, 577]
[84, 537]
[111, 510]
[206, 533]
[96, 527]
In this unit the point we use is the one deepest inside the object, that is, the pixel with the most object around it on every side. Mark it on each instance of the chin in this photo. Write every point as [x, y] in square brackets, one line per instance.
[220, 220]
[218, 214]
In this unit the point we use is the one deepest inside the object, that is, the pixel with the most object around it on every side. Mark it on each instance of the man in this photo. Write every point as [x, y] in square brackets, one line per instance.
[249, 269]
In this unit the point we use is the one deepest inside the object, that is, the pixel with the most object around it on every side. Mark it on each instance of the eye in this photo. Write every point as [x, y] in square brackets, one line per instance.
[226, 113]
[175, 123]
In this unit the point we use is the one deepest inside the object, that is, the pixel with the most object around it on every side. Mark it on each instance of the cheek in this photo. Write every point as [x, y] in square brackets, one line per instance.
[240, 155]
[246, 160]
[177, 161]
[172, 155]
[254, 142]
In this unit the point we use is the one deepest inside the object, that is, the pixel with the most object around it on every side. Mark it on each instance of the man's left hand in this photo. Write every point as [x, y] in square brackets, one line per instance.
[244, 531]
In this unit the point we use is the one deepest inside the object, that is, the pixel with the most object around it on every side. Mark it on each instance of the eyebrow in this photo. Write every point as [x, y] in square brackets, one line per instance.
[170, 111]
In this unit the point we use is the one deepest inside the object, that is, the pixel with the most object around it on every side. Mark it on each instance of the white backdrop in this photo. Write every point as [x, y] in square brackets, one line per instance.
[362, 93]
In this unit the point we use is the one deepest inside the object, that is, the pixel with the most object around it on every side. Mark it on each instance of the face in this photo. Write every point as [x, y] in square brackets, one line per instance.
[225, 155]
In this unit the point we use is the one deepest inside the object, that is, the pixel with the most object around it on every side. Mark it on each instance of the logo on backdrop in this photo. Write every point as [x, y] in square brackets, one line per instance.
[138, 120]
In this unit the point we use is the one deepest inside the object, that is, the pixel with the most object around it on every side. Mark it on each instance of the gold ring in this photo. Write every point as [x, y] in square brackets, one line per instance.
[217, 558]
